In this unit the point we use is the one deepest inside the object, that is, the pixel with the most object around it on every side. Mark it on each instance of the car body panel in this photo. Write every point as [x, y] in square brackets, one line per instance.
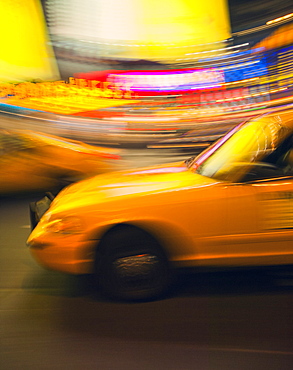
[34, 161]
[198, 220]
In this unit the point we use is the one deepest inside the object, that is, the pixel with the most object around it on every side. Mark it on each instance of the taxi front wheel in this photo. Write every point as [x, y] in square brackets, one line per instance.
[132, 266]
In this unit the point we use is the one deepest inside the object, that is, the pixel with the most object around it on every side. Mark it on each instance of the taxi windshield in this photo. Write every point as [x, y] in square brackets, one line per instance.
[247, 143]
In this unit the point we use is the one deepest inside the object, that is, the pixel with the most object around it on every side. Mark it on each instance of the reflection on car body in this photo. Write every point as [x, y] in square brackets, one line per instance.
[32, 161]
[229, 206]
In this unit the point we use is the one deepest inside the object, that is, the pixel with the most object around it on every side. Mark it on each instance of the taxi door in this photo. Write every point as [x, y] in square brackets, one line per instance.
[274, 198]
[249, 224]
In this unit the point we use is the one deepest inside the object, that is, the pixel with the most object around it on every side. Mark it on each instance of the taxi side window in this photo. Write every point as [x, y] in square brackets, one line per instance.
[278, 164]
[262, 171]
[288, 162]
[282, 157]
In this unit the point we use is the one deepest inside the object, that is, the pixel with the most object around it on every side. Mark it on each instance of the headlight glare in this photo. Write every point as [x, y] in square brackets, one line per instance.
[65, 225]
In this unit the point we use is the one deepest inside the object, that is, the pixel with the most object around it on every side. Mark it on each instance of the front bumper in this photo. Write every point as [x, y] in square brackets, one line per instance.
[39, 208]
[66, 253]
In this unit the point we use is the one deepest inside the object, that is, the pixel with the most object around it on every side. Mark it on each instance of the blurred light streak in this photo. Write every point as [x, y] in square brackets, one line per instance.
[280, 18]
[251, 79]
[217, 50]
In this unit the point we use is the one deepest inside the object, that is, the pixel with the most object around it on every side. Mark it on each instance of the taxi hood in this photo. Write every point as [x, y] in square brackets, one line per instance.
[135, 182]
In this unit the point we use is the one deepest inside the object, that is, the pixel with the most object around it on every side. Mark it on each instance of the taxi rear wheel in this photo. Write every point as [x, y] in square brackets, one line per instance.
[132, 266]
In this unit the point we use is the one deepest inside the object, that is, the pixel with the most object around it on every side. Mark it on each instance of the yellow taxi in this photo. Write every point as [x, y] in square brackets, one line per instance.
[31, 161]
[230, 206]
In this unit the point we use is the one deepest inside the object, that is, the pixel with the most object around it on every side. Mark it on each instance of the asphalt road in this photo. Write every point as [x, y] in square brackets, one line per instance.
[214, 321]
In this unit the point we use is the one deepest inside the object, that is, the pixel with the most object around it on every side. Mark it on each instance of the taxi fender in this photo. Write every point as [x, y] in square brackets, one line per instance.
[176, 241]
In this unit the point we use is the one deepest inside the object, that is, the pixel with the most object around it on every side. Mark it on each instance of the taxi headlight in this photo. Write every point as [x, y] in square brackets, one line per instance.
[65, 225]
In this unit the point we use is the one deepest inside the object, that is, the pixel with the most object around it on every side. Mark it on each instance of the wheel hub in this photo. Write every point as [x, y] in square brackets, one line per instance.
[137, 266]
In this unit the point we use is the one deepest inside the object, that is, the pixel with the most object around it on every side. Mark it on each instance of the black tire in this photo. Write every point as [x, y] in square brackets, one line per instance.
[33, 218]
[131, 266]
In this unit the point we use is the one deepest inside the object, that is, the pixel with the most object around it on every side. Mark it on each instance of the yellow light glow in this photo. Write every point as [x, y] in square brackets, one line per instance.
[172, 28]
[145, 29]
[25, 53]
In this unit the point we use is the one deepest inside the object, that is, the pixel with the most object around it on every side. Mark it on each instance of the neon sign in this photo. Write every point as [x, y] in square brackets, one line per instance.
[167, 80]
